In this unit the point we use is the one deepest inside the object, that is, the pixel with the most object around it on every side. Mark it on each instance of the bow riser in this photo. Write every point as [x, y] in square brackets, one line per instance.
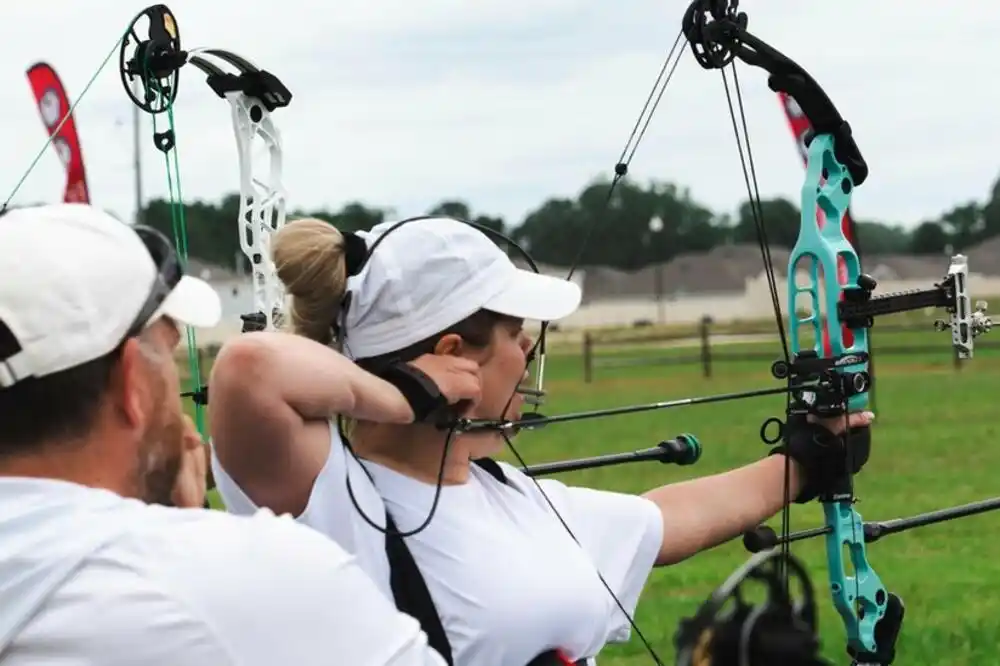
[262, 202]
[857, 591]
[252, 95]
[833, 266]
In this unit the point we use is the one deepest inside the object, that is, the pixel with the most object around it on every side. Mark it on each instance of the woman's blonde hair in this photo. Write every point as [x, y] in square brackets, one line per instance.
[308, 257]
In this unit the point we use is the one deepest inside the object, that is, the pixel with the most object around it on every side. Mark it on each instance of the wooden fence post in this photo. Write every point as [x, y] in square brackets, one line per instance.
[588, 360]
[706, 347]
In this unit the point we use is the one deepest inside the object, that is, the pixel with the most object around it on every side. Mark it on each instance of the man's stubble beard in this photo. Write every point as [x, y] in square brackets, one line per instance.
[160, 452]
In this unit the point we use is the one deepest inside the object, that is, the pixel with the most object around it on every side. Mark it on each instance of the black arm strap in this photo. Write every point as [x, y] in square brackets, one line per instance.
[409, 590]
[420, 391]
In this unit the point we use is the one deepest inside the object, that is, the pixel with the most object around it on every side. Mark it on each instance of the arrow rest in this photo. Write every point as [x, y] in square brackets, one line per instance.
[818, 386]
[154, 60]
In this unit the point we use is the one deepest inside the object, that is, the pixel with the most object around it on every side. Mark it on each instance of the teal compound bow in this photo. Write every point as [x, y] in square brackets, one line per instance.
[819, 382]
[836, 381]
[717, 35]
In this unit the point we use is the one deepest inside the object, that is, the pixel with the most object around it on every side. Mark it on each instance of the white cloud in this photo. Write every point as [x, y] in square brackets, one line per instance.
[503, 103]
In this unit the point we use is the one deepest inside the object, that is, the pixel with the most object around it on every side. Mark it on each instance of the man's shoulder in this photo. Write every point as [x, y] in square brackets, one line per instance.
[281, 591]
[206, 588]
[223, 546]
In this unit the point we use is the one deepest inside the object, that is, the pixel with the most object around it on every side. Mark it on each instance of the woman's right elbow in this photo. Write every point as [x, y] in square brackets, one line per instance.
[241, 363]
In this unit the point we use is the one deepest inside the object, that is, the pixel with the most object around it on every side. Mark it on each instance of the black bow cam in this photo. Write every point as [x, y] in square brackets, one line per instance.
[717, 33]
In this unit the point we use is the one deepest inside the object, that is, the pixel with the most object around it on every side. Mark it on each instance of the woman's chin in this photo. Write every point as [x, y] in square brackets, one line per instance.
[487, 445]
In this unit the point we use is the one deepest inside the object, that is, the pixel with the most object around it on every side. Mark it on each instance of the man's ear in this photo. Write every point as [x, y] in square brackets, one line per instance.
[128, 385]
[450, 344]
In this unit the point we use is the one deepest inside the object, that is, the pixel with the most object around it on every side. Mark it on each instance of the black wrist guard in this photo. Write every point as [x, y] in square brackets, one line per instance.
[420, 391]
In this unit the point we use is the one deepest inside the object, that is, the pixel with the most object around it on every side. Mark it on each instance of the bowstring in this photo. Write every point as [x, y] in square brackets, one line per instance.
[743, 145]
[639, 128]
[178, 223]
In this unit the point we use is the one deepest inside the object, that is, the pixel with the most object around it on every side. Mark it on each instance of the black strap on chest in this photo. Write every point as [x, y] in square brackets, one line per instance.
[409, 590]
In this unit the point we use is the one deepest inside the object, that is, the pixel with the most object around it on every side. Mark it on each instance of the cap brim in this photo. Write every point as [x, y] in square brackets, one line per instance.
[193, 302]
[530, 295]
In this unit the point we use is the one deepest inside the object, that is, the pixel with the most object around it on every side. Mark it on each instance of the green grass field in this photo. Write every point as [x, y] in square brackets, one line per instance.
[934, 446]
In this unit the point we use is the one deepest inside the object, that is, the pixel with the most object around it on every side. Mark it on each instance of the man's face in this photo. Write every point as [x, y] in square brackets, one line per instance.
[160, 443]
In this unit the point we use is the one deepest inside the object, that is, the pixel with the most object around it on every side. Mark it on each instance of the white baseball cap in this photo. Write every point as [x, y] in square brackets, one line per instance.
[430, 274]
[73, 280]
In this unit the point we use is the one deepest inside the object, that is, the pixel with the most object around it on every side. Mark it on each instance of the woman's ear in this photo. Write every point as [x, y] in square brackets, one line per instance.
[449, 345]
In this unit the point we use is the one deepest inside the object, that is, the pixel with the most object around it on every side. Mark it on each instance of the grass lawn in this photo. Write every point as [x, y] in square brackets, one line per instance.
[934, 446]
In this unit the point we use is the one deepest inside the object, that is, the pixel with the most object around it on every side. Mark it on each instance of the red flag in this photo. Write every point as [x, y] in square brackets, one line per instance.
[800, 127]
[53, 106]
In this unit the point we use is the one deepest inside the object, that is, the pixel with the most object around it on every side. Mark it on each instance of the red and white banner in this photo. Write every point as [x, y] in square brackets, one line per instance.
[53, 107]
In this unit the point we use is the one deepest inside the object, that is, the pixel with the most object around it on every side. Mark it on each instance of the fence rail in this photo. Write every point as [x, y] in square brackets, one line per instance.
[707, 348]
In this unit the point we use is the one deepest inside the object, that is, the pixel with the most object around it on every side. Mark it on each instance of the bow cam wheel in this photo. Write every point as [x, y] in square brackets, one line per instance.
[154, 61]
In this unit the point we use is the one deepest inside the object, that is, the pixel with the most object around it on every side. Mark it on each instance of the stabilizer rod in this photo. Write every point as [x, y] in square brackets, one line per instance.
[764, 537]
[685, 449]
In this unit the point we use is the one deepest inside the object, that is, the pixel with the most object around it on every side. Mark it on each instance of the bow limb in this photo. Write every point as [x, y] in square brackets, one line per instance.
[253, 94]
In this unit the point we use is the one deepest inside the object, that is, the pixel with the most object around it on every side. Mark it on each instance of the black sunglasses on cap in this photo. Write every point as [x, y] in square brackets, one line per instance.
[169, 272]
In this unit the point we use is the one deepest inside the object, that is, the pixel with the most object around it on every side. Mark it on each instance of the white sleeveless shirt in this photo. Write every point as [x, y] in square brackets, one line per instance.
[507, 579]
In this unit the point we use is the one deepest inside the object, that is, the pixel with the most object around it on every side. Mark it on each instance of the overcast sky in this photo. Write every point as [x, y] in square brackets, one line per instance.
[503, 103]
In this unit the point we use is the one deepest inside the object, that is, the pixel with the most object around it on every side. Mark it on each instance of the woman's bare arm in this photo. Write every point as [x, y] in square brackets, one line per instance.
[272, 395]
[703, 513]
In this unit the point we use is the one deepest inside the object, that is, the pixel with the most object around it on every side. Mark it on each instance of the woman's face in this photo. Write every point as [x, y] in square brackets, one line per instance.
[503, 366]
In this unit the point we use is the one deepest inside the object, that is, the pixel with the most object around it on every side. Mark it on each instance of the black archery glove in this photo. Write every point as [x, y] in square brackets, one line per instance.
[827, 461]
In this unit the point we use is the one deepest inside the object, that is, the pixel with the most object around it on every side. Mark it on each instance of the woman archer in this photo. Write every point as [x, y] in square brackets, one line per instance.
[431, 311]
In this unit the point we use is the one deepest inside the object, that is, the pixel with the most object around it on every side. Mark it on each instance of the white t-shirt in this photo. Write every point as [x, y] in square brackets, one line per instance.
[507, 579]
[87, 577]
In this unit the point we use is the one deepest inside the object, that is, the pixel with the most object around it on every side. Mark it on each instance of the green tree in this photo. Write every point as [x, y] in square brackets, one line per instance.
[879, 238]
[780, 218]
[965, 225]
[929, 238]
[461, 211]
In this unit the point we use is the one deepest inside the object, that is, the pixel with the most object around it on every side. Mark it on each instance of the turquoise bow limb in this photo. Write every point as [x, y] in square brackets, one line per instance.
[860, 597]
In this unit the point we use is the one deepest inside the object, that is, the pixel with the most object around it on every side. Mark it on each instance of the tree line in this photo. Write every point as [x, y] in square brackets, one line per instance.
[642, 224]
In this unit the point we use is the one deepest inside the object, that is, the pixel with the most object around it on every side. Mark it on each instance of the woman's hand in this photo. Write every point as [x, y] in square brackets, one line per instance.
[191, 485]
[458, 379]
[826, 449]
[838, 424]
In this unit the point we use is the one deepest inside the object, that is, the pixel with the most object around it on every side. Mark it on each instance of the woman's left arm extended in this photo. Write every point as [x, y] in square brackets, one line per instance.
[705, 512]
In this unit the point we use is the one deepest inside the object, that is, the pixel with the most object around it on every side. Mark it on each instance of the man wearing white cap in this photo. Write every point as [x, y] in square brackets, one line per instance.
[499, 569]
[90, 426]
